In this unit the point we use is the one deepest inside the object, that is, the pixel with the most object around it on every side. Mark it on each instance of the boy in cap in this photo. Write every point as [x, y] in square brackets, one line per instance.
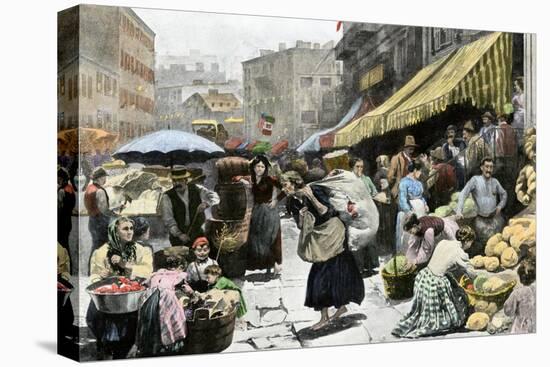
[195, 270]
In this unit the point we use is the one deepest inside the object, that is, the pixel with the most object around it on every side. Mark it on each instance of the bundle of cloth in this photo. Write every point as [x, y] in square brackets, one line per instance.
[361, 217]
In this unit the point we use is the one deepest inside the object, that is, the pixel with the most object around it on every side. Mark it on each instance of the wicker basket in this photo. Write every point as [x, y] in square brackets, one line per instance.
[497, 297]
[399, 286]
[336, 160]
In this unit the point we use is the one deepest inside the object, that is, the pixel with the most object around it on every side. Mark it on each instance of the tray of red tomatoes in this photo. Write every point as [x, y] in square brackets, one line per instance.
[116, 294]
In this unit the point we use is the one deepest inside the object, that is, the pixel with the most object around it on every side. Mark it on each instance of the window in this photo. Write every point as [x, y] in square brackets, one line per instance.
[90, 87]
[84, 87]
[326, 82]
[70, 81]
[441, 38]
[107, 85]
[309, 117]
[99, 82]
[114, 87]
[75, 86]
[62, 85]
[306, 82]
[121, 59]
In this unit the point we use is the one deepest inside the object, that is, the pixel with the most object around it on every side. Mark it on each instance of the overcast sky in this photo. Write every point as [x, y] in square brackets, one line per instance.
[230, 37]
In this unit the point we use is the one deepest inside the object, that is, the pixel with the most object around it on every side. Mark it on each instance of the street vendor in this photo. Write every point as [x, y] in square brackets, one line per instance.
[439, 304]
[96, 201]
[485, 189]
[183, 208]
[195, 270]
[120, 256]
[426, 232]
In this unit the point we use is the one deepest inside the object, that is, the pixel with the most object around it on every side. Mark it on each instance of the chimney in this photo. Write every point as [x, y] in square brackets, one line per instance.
[316, 46]
[300, 44]
[215, 67]
[199, 66]
[212, 92]
[282, 46]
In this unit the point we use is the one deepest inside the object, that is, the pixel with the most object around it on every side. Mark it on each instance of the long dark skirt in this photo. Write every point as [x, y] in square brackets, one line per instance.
[335, 282]
[264, 238]
[115, 333]
[98, 225]
[385, 237]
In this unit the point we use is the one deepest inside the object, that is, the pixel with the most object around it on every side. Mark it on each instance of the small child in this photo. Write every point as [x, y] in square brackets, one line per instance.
[217, 281]
[162, 319]
[521, 305]
[195, 270]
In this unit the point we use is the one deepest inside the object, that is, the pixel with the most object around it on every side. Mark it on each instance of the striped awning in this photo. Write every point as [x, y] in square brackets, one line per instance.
[479, 72]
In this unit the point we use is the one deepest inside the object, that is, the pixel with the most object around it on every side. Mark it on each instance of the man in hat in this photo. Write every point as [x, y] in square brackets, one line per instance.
[183, 208]
[451, 150]
[399, 164]
[442, 180]
[96, 202]
[476, 149]
[485, 189]
[488, 130]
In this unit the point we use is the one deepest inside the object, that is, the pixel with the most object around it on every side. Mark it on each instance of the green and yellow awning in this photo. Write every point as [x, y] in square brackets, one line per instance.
[479, 72]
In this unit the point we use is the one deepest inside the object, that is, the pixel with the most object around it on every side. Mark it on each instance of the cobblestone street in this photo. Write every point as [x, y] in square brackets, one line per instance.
[277, 317]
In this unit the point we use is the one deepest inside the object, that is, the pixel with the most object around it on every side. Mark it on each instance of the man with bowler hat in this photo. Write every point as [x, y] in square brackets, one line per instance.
[399, 164]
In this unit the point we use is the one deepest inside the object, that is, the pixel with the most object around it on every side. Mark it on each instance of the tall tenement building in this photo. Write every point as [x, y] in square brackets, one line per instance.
[106, 59]
[295, 86]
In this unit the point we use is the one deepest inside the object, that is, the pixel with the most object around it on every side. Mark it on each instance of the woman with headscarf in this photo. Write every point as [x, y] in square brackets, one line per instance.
[334, 279]
[439, 304]
[120, 256]
[264, 236]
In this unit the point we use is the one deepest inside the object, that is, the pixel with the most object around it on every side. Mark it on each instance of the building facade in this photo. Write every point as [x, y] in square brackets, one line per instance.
[105, 73]
[296, 86]
[379, 59]
[213, 105]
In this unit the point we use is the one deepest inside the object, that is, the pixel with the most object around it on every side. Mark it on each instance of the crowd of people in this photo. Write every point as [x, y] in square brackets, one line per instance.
[405, 189]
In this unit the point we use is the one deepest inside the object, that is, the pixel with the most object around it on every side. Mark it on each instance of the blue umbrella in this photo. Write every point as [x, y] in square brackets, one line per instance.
[168, 148]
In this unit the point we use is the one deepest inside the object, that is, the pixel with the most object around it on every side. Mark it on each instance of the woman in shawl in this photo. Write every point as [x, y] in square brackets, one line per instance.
[120, 256]
[264, 237]
[334, 279]
[439, 304]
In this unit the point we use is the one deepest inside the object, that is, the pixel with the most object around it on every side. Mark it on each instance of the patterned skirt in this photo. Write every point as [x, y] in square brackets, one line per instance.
[439, 306]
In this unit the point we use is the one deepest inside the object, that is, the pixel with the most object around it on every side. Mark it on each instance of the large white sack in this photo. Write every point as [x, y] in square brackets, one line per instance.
[346, 186]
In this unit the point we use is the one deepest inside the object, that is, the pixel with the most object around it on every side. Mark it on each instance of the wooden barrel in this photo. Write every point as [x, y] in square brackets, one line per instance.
[209, 335]
[231, 166]
[233, 200]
